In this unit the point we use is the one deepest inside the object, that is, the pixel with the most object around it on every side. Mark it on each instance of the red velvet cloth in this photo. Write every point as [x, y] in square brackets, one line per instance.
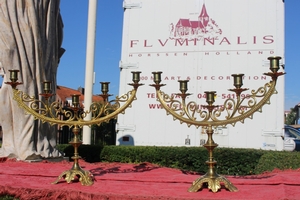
[117, 181]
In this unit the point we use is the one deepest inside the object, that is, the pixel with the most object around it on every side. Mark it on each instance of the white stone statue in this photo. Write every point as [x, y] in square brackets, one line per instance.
[30, 41]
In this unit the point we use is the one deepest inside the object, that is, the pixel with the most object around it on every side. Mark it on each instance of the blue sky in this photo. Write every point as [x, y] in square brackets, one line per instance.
[71, 70]
[292, 53]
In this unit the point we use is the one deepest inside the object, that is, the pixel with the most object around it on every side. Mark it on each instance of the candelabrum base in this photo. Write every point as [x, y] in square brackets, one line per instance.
[85, 177]
[213, 183]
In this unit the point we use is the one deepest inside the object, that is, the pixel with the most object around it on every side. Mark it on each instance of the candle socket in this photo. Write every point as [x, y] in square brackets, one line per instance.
[13, 75]
[237, 80]
[157, 77]
[104, 87]
[47, 87]
[75, 100]
[274, 63]
[210, 97]
[183, 86]
[136, 77]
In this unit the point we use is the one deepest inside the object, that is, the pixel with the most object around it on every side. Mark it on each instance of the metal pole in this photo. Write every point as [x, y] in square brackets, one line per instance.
[89, 70]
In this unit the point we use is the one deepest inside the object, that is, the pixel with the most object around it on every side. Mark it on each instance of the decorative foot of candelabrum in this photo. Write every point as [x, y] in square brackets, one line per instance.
[209, 116]
[75, 117]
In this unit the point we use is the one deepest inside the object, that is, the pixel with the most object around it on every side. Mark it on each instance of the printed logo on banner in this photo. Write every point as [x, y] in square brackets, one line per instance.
[203, 27]
[203, 32]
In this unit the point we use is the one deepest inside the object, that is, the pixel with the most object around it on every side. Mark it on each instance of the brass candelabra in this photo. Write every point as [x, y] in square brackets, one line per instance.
[75, 117]
[209, 116]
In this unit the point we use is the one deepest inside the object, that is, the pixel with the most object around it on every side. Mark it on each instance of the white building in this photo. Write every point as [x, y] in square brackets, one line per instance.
[204, 42]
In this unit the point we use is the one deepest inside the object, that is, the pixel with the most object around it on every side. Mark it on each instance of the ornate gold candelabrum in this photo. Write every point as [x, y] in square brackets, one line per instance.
[209, 116]
[75, 117]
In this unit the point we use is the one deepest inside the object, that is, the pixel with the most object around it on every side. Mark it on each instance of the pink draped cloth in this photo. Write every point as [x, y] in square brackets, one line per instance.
[116, 181]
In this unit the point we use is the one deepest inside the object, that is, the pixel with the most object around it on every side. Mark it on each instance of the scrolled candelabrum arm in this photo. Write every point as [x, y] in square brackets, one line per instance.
[239, 111]
[235, 109]
[45, 114]
[176, 108]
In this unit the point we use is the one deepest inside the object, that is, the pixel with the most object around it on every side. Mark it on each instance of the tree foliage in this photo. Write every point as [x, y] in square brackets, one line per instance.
[291, 117]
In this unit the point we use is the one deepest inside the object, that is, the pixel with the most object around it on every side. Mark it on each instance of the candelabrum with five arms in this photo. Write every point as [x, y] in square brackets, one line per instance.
[75, 117]
[210, 116]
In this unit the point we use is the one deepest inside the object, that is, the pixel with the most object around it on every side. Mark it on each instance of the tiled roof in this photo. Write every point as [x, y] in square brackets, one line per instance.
[64, 93]
[196, 24]
[184, 23]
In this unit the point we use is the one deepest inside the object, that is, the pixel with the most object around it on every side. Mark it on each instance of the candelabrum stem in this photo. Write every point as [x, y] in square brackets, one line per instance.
[211, 177]
[75, 142]
[210, 146]
[85, 177]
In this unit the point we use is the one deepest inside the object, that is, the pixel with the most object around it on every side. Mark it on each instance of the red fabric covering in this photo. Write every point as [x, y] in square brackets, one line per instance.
[116, 181]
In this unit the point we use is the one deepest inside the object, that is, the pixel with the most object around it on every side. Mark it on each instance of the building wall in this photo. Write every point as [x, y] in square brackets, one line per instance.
[204, 42]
